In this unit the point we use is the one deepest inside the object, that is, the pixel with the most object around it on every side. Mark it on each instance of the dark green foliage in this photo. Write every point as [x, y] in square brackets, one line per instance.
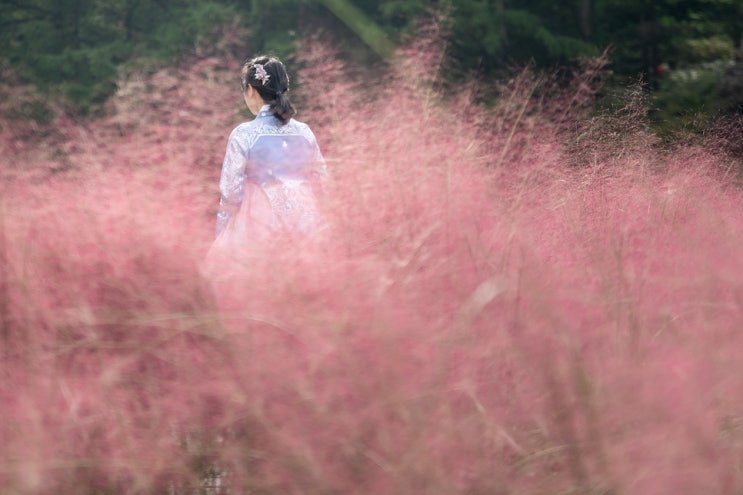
[275, 24]
[33, 109]
[687, 99]
[489, 34]
[731, 90]
[74, 47]
[190, 24]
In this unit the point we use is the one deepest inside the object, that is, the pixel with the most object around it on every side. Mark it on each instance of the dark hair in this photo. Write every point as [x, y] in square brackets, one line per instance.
[272, 87]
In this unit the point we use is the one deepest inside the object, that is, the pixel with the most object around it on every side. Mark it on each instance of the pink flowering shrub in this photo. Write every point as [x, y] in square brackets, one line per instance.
[479, 315]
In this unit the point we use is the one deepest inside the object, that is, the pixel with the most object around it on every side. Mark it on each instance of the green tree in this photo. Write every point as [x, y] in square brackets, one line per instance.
[74, 47]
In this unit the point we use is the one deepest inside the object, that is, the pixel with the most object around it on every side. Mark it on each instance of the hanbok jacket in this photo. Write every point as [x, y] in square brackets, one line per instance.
[270, 178]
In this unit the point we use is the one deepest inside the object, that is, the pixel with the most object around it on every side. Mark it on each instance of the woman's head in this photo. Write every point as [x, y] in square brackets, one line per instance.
[268, 77]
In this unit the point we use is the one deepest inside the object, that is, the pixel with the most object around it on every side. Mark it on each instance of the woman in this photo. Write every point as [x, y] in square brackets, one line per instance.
[272, 167]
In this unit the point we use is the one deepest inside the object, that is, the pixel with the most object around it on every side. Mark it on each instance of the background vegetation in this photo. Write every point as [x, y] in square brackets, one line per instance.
[681, 48]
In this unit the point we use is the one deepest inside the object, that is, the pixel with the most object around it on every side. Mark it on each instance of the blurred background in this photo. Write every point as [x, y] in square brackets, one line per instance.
[687, 53]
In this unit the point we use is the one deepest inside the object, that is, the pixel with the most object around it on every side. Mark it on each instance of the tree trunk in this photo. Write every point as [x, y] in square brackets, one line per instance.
[500, 9]
[738, 33]
[586, 15]
[649, 31]
[129, 13]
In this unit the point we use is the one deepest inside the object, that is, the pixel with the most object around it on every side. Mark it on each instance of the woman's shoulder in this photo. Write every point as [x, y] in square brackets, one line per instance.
[246, 133]
[244, 128]
[302, 128]
[238, 131]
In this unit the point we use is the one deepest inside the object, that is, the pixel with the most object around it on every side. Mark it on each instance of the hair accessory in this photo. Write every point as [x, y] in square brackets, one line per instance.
[261, 74]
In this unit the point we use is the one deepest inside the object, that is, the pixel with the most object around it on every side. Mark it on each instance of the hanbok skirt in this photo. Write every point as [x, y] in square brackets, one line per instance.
[280, 213]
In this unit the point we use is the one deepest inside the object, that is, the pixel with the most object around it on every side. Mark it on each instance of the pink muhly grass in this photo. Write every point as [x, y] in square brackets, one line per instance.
[479, 315]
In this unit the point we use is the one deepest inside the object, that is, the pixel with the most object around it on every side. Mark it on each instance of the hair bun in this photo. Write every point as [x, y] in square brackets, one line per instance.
[268, 76]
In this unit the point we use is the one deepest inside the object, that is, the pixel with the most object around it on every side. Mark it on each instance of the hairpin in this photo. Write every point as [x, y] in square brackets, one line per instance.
[261, 74]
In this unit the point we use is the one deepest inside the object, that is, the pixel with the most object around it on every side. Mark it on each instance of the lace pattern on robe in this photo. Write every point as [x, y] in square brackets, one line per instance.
[269, 154]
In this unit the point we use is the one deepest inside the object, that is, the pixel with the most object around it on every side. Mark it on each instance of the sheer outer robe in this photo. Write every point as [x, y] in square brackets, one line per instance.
[274, 171]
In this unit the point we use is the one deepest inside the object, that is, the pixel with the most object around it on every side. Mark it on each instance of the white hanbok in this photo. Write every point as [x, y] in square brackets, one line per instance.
[271, 175]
